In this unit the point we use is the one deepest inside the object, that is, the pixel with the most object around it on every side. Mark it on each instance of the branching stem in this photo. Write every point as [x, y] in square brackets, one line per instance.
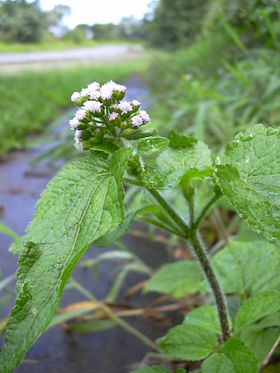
[171, 213]
[198, 246]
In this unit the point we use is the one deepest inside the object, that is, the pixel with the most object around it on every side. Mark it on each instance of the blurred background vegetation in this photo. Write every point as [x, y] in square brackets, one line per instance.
[212, 66]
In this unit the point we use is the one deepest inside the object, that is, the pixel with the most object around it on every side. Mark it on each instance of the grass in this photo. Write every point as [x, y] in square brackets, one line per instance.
[30, 100]
[203, 91]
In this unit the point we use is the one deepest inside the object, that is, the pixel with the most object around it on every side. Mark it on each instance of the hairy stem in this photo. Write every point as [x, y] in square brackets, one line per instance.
[201, 254]
[195, 241]
[171, 212]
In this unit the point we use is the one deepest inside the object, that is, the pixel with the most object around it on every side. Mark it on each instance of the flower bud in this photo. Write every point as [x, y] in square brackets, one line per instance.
[145, 116]
[135, 105]
[125, 107]
[136, 121]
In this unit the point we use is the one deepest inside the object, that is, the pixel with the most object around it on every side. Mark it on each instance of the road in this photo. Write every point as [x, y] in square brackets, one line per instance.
[103, 53]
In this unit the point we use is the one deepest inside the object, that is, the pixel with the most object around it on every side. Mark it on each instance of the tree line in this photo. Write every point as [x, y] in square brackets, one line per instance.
[168, 24]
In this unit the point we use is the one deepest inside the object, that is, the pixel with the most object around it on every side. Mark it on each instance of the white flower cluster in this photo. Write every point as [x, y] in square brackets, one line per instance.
[103, 110]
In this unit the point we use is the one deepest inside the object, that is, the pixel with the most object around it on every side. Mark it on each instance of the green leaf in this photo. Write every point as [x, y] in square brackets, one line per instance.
[151, 145]
[256, 307]
[205, 317]
[117, 233]
[248, 267]
[233, 357]
[218, 363]
[242, 358]
[269, 321]
[183, 155]
[197, 156]
[188, 342]
[248, 174]
[260, 341]
[180, 141]
[139, 133]
[178, 279]
[161, 179]
[196, 175]
[105, 146]
[82, 203]
[154, 369]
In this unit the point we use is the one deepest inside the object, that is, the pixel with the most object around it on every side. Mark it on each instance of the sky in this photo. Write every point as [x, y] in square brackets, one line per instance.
[99, 11]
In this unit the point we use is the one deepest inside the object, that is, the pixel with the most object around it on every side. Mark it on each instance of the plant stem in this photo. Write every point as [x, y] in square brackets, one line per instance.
[195, 241]
[180, 228]
[200, 251]
[114, 317]
[171, 212]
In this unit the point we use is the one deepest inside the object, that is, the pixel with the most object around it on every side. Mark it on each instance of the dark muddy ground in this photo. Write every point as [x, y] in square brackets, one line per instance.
[111, 351]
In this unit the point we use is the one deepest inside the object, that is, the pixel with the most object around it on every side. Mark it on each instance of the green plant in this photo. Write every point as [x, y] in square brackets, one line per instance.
[86, 204]
[240, 95]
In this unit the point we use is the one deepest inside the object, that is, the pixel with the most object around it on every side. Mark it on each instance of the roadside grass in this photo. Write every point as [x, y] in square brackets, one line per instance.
[31, 100]
[214, 100]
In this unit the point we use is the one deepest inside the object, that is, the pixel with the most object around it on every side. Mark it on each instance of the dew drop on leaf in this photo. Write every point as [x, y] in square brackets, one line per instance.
[246, 137]
[271, 131]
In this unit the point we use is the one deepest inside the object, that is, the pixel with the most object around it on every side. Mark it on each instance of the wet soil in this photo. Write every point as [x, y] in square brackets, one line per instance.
[110, 351]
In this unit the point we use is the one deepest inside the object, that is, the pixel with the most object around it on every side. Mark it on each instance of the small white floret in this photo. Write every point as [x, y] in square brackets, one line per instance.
[137, 121]
[125, 107]
[93, 106]
[74, 123]
[75, 96]
[145, 116]
[113, 116]
[81, 114]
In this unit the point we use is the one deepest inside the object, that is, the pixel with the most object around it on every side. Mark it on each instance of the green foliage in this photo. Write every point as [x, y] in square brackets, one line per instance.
[180, 159]
[174, 23]
[177, 279]
[233, 357]
[52, 252]
[108, 31]
[205, 317]
[188, 342]
[85, 204]
[249, 177]
[21, 21]
[256, 22]
[256, 307]
[246, 268]
[198, 102]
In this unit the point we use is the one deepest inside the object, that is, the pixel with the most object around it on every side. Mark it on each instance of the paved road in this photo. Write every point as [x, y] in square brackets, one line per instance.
[100, 52]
